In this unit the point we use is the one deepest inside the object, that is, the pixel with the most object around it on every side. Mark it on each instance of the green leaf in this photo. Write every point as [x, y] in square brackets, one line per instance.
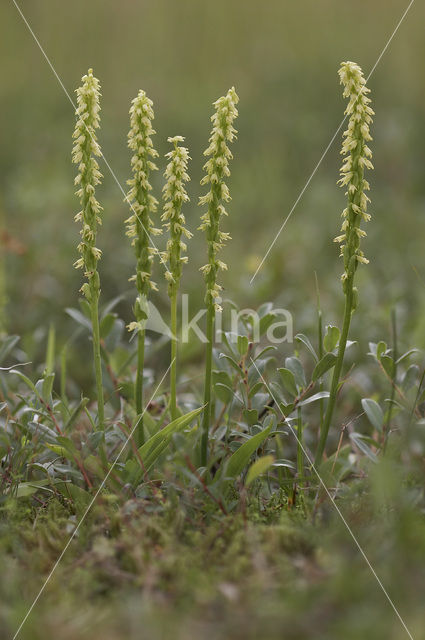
[302, 338]
[266, 321]
[79, 496]
[331, 337]
[50, 351]
[327, 362]
[294, 365]
[250, 416]
[288, 381]
[261, 353]
[221, 376]
[259, 467]
[381, 348]
[231, 361]
[243, 345]
[388, 365]
[107, 324]
[373, 412]
[238, 461]
[25, 379]
[7, 346]
[314, 398]
[255, 389]
[406, 355]
[153, 448]
[79, 317]
[47, 387]
[359, 441]
[410, 377]
[76, 412]
[223, 392]
[25, 489]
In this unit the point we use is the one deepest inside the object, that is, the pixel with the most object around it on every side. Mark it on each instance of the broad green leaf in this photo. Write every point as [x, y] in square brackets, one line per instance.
[242, 345]
[153, 448]
[107, 324]
[250, 416]
[7, 346]
[302, 338]
[406, 355]
[359, 441]
[25, 489]
[373, 412]
[314, 398]
[79, 496]
[232, 361]
[25, 379]
[76, 412]
[381, 348]
[331, 337]
[410, 377]
[259, 467]
[47, 387]
[327, 362]
[264, 351]
[255, 389]
[239, 460]
[388, 365]
[294, 365]
[266, 321]
[288, 381]
[79, 317]
[223, 392]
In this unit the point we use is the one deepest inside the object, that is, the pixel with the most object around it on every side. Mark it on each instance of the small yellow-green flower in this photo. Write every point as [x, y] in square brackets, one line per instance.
[88, 177]
[174, 194]
[217, 170]
[357, 158]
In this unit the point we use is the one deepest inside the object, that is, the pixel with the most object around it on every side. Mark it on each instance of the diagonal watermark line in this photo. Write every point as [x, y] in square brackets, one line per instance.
[74, 533]
[111, 171]
[331, 498]
[322, 157]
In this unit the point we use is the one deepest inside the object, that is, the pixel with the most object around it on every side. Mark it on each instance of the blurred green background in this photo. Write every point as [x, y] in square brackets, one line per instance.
[283, 59]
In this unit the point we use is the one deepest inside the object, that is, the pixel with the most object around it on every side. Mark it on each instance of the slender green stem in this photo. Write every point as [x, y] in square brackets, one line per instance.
[97, 360]
[320, 343]
[173, 371]
[300, 458]
[63, 358]
[139, 383]
[387, 425]
[336, 372]
[206, 418]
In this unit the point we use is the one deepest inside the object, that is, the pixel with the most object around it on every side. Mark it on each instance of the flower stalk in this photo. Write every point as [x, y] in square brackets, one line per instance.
[217, 170]
[357, 158]
[84, 153]
[140, 227]
[174, 194]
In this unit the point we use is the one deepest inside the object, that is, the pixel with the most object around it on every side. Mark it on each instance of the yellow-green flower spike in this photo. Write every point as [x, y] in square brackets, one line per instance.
[357, 158]
[139, 225]
[174, 194]
[88, 177]
[217, 170]
[84, 153]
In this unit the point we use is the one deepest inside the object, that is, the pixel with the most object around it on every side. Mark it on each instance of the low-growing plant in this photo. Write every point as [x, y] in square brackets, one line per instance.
[357, 157]
[263, 411]
[84, 153]
[175, 196]
[217, 170]
[140, 227]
